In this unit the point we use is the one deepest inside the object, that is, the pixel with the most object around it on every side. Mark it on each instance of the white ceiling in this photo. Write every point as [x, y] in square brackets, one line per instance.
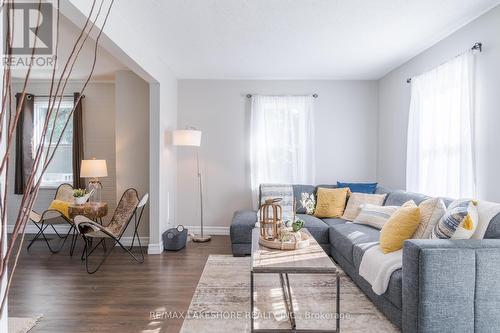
[106, 64]
[296, 39]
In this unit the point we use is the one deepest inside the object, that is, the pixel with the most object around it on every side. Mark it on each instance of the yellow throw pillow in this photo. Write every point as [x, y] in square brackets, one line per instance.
[61, 206]
[400, 227]
[330, 202]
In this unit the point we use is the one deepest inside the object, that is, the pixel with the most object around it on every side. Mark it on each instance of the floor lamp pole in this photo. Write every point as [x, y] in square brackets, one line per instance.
[200, 238]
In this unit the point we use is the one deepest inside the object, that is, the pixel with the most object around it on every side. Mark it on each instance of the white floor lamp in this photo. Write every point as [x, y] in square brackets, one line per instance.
[192, 138]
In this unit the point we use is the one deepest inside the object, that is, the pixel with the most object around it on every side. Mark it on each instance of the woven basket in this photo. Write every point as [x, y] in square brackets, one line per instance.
[175, 239]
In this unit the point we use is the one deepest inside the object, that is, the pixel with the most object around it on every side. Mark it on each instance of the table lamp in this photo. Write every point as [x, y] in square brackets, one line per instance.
[192, 138]
[94, 169]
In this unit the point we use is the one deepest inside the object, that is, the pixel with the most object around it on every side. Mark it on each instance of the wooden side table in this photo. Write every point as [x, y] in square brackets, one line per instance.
[92, 210]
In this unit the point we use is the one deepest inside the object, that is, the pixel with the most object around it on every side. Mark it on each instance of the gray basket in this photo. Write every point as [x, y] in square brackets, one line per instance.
[175, 239]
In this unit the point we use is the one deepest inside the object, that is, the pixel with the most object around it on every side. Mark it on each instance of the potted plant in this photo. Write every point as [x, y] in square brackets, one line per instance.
[81, 196]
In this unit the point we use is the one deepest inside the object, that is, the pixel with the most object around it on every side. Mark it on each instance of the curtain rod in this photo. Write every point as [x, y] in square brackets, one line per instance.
[477, 46]
[47, 96]
[29, 96]
[313, 95]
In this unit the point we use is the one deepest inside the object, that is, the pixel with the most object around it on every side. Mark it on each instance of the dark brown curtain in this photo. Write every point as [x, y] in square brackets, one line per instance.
[78, 182]
[24, 140]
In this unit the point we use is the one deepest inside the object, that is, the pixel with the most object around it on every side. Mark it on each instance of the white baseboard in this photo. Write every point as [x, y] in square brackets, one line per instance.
[155, 248]
[63, 229]
[217, 231]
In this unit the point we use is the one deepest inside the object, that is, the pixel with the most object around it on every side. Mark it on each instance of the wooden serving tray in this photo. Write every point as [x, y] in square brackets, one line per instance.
[279, 245]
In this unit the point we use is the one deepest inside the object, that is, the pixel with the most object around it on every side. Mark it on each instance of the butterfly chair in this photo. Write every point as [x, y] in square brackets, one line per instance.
[129, 207]
[52, 217]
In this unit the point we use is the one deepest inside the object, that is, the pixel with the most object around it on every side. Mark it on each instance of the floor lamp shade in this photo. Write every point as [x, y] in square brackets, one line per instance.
[192, 137]
[187, 138]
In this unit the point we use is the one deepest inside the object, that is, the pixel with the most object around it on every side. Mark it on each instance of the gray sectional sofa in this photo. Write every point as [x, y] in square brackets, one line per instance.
[444, 285]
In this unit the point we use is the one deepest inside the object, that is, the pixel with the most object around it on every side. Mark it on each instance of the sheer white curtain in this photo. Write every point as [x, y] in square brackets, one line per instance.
[281, 141]
[440, 156]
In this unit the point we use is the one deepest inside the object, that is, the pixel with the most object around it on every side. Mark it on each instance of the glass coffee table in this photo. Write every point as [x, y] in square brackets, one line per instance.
[310, 260]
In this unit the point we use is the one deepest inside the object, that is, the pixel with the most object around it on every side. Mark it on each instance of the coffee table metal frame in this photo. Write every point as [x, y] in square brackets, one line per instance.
[287, 295]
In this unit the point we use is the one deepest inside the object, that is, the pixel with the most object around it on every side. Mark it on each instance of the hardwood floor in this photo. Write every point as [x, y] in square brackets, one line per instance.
[118, 298]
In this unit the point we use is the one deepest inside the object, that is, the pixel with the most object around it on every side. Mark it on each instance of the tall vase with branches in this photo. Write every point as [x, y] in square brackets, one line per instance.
[10, 247]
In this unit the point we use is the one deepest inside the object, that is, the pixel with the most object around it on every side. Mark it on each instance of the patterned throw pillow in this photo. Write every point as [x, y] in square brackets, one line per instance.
[303, 205]
[283, 191]
[459, 222]
[307, 202]
[331, 202]
[357, 199]
[431, 211]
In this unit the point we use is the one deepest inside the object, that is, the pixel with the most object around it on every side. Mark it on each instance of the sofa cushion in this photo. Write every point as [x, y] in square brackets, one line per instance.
[298, 190]
[326, 186]
[345, 236]
[398, 198]
[383, 190]
[359, 250]
[493, 230]
[242, 225]
[317, 228]
[394, 288]
[333, 221]
[394, 291]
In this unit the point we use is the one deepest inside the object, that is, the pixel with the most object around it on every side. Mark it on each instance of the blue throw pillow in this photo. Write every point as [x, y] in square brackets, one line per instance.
[359, 187]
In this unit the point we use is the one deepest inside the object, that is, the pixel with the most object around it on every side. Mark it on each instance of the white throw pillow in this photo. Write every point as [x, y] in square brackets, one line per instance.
[374, 215]
[431, 211]
[357, 199]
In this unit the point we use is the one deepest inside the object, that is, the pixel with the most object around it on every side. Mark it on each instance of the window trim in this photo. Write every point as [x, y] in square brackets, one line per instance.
[42, 102]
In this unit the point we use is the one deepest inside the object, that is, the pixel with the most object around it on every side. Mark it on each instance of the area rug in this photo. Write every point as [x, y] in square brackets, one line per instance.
[22, 325]
[221, 302]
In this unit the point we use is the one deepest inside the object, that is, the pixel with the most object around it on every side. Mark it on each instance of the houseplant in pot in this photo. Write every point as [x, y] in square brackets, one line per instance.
[81, 195]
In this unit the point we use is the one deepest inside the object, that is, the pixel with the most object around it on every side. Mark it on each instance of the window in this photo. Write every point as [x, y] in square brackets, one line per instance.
[282, 134]
[60, 169]
[440, 156]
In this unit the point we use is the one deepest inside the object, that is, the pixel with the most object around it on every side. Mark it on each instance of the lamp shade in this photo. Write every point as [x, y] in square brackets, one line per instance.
[187, 138]
[93, 169]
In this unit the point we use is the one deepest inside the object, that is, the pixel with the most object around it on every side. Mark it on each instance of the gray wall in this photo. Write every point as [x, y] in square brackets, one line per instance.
[394, 104]
[346, 135]
[132, 138]
[99, 142]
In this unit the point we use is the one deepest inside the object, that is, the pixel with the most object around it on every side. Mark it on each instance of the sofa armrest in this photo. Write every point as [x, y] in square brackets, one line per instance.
[242, 225]
[451, 285]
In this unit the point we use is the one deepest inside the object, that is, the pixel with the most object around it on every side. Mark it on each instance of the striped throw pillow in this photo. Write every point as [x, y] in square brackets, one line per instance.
[376, 216]
[283, 191]
[459, 222]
